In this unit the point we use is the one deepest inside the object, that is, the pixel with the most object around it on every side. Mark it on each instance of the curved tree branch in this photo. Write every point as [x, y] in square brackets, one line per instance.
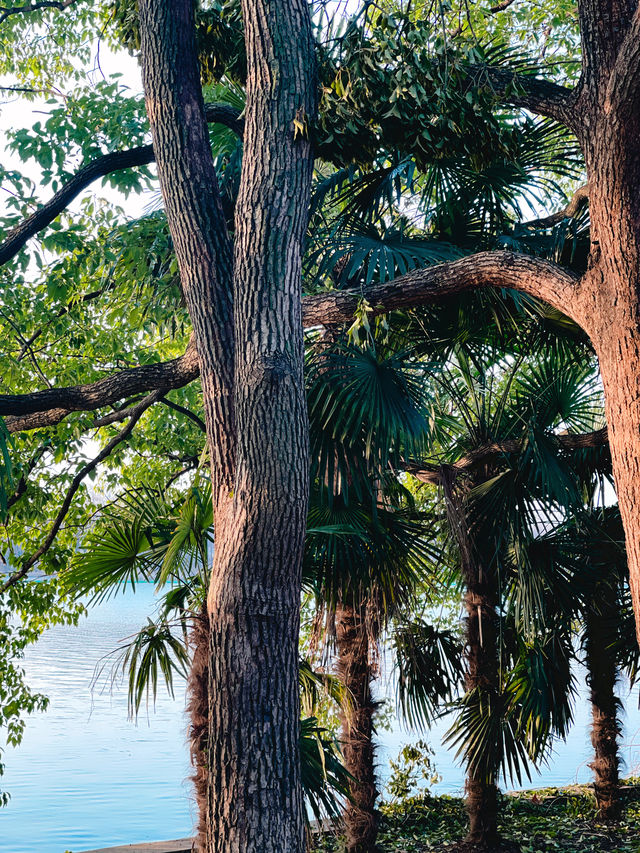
[533, 93]
[105, 165]
[124, 433]
[576, 204]
[534, 276]
[46, 408]
[432, 472]
[531, 275]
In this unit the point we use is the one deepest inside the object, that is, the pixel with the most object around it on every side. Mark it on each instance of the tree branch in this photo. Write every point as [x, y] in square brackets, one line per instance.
[87, 297]
[500, 7]
[623, 88]
[105, 165]
[7, 11]
[533, 93]
[534, 276]
[577, 202]
[30, 562]
[46, 408]
[433, 472]
[186, 412]
[21, 486]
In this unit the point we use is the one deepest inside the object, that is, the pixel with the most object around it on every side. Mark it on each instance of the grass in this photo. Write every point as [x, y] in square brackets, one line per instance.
[551, 820]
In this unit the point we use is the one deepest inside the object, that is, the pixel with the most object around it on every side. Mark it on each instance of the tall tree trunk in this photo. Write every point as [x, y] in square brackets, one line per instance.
[251, 362]
[354, 670]
[602, 675]
[481, 636]
[607, 300]
[205, 256]
[482, 675]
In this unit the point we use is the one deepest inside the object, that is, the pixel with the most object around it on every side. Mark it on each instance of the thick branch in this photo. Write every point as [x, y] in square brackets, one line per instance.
[7, 11]
[433, 472]
[30, 562]
[576, 204]
[605, 26]
[534, 276]
[522, 90]
[623, 88]
[46, 408]
[105, 165]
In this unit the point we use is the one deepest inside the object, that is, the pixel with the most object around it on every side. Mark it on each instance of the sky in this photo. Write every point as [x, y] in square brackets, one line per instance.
[18, 113]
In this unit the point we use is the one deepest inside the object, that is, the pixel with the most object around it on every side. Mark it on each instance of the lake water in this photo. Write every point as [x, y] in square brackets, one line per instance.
[86, 777]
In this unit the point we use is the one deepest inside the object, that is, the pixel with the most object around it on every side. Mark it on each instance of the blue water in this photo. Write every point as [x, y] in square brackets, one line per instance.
[86, 777]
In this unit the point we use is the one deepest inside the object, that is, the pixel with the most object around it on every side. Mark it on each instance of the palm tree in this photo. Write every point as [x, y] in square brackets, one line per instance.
[592, 547]
[504, 483]
[365, 566]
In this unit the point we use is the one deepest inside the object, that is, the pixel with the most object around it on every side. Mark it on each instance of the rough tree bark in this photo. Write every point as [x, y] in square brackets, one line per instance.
[353, 667]
[608, 307]
[255, 800]
[244, 303]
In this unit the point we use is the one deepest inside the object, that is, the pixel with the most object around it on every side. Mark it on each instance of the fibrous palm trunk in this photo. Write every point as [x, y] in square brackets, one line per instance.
[481, 635]
[482, 675]
[355, 671]
[602, 675]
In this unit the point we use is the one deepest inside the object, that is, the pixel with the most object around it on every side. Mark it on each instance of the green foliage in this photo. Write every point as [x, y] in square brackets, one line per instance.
[413, 765]
[154, 652]
[325, 781]
[367, 407]
[219, 33]
[429, 666]
[354, 551]
[553, 820]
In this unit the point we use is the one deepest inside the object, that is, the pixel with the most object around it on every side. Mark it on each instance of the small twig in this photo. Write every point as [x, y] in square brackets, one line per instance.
[186, 412]
[94, 294]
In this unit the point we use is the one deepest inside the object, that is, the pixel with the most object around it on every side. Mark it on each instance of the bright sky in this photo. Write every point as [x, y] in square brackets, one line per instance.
[18, 113]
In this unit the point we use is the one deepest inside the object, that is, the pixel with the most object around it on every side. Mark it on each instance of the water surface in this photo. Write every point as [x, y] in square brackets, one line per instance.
[86, 777]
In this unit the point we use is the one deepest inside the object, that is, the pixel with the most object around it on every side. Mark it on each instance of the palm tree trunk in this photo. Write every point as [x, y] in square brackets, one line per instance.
[198, 710]
[605, 728]
[355, 671]
[482, 675]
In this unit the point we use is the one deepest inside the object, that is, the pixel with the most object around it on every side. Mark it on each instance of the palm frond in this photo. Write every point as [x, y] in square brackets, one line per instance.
[429, 665]
[325, 780]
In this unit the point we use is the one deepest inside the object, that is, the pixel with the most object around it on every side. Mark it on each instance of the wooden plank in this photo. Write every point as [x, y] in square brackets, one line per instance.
[178, 845]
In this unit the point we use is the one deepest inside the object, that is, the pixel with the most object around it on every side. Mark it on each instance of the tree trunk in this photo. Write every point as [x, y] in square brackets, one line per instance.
[602, 675]
[482, 674]
[203, 249]
[354, 670]
[255, 798]
[607, 300]
[481, 635]
[251, 363]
